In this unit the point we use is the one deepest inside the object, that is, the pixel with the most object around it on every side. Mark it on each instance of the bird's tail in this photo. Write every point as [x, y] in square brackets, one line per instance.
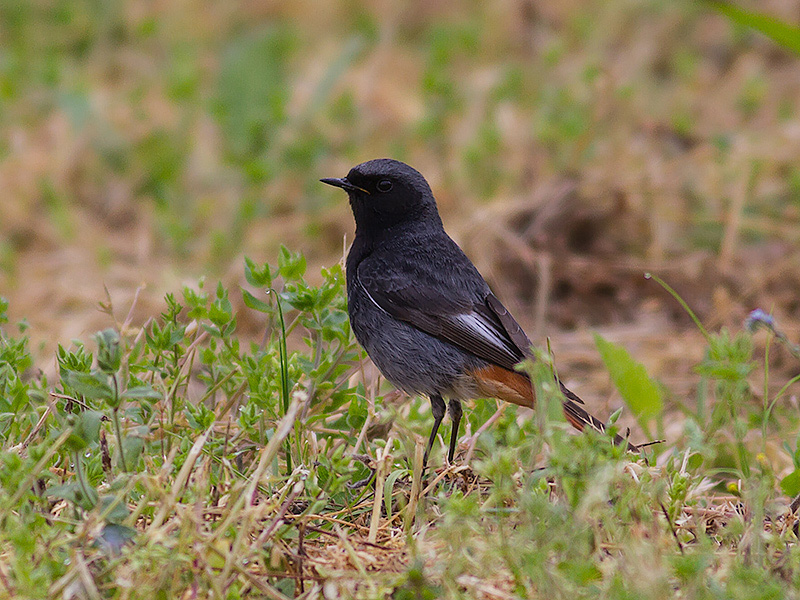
[579, 418]
[515, 387]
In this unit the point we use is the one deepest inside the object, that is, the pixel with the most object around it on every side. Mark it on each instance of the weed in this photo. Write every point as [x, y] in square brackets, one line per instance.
[179, 457]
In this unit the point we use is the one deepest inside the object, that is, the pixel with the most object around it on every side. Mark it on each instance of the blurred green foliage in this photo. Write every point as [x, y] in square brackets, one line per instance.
[221, 119]
[208, 124]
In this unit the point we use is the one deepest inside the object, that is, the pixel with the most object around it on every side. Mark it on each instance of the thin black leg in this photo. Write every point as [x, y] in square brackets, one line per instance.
[454, 408]
[438, 409]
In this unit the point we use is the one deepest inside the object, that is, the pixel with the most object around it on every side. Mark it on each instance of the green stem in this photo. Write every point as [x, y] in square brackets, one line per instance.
[284, 358]
[117, 427]
[681, 301]
[118, 432]
[76, 457]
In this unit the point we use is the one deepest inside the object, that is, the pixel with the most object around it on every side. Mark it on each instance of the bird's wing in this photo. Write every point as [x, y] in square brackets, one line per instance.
[453, 304]
[461, 310]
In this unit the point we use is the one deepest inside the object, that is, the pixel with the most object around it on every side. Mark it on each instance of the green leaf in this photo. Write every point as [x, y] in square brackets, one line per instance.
[612, 420]
[85, 429]
[142, 392]
[640, 393]
[300, 297]
[251, 301]
[388, 488]
[582, 571]
[724, 371]
[91, 385]
[778, 31]
[74, 493]
[114, 536]
[87, 425]
[356, 413]
[255, 275]
[695, 461]
[118, 513]
[220, 312]
[132, 446]
[791, 483]
[291, 266]
[109, 353]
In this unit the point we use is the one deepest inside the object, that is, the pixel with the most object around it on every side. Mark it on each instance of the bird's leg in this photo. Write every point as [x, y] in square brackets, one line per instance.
[454, 408]
[438, 409]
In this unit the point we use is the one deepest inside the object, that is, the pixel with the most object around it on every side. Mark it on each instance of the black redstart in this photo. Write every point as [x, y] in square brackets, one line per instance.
[421, 309]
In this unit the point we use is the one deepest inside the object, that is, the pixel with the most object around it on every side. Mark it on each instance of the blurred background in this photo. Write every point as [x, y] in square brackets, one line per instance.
[572, 147]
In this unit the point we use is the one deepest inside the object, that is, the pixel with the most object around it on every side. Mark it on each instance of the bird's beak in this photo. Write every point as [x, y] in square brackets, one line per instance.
[344, 184]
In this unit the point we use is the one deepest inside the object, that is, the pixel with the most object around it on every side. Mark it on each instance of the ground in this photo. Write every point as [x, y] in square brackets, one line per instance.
[572, 147]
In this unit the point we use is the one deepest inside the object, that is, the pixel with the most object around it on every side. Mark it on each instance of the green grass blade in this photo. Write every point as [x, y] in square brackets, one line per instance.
[640, 392]
[284, 360]
[778, 31]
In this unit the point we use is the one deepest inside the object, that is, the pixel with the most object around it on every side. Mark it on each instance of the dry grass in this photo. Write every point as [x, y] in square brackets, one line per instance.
[572, 147]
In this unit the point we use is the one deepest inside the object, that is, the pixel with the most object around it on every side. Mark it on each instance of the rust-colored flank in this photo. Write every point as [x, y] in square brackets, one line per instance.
[496, 382]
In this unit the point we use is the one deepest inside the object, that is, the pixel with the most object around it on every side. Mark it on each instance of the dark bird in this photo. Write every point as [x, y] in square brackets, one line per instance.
[421, 309]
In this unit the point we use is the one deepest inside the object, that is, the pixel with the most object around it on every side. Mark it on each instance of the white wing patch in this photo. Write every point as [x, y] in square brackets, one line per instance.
[473, 322]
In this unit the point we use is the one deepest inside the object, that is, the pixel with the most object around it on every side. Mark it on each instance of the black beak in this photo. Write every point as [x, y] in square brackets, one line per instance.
[344, 184]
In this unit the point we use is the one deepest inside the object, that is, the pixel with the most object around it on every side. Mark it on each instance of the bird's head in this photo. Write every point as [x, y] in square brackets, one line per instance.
[385, 192]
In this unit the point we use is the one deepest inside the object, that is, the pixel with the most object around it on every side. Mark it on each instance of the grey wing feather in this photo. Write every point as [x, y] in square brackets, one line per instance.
[451, 315]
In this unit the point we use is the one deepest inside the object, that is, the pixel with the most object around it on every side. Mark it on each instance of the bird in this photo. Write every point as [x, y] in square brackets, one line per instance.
[419, 307]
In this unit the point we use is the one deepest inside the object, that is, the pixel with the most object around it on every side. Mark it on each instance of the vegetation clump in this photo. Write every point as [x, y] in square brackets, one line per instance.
[175, 458]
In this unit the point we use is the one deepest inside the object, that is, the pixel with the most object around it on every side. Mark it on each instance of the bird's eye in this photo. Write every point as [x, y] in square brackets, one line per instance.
[384, 185]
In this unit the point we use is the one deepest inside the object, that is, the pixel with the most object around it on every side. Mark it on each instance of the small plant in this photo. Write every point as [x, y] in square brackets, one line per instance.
[179, 412]
[185, 457]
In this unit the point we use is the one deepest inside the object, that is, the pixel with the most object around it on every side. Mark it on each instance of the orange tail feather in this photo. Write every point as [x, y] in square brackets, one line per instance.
[497, 382]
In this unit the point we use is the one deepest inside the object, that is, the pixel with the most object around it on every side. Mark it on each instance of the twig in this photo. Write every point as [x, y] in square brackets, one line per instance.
[34, 431]
[489, 422]
[650, 443]
[795, 504]
[383, 462]
[180, 480]
[351, 552]
[331, 519]
[301, 552]
[297, 489]
[129, 317]
[80, 403]
[452, 469]
[373, 390]
[416, 484]
[671, 527]
[322, 531]
[86, 578]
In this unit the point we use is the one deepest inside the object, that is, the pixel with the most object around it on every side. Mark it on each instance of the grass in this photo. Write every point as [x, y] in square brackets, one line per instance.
[174, 459]
[201, 444]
